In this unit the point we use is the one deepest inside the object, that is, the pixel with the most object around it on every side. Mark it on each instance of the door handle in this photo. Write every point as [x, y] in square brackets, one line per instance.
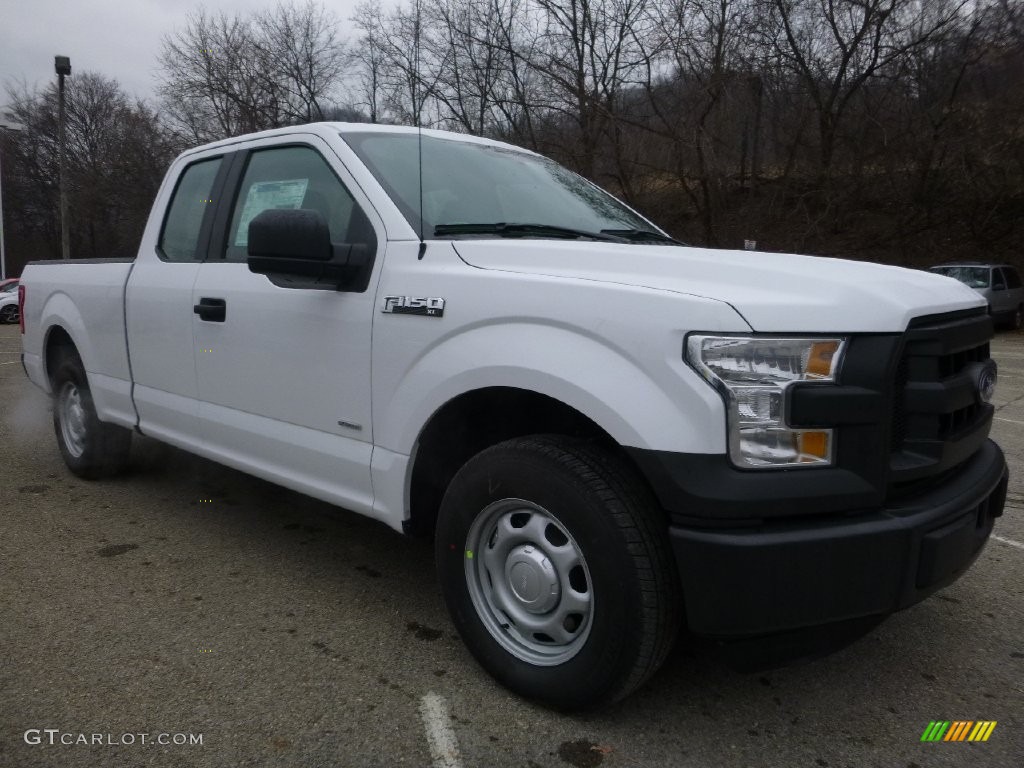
[213, 310]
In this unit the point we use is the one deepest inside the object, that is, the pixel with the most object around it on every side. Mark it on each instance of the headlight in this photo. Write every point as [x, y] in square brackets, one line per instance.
[752, 374]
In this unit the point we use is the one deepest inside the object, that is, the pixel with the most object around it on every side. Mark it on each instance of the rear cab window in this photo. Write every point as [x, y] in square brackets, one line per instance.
[190, 205]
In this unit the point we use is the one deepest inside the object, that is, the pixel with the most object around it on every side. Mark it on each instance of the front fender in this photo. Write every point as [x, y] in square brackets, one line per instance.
[668, 408]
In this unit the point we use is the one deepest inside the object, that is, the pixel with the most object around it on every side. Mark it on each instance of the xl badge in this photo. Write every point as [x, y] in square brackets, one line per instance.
[414, 305]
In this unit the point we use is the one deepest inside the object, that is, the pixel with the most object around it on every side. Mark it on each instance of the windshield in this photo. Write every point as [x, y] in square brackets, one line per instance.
[467, 183]
[975, 277]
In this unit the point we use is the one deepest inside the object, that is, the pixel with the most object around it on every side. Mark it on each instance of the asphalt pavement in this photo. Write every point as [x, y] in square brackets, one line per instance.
[186, 602]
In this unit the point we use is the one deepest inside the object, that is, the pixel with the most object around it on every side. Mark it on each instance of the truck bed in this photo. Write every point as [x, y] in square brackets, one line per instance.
[88, 296]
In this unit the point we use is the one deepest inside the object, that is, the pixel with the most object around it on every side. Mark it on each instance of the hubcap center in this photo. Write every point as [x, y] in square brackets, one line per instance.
[532, 579]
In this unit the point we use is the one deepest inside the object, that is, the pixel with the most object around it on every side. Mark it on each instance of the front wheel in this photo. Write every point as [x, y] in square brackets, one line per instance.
[554, 563]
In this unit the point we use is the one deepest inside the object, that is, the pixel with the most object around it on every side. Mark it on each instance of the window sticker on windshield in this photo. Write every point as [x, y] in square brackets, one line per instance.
[269, 194]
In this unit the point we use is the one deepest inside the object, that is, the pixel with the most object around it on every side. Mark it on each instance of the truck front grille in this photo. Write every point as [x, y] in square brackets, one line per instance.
[937, 420]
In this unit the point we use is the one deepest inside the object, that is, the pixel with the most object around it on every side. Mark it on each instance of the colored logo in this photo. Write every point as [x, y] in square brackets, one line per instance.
[958, 730]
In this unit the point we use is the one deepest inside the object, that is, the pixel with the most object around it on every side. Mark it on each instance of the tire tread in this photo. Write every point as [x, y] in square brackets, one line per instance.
[643, 528]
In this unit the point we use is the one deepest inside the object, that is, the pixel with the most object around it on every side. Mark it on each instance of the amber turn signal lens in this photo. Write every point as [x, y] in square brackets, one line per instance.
[819, 361]
[814, 444]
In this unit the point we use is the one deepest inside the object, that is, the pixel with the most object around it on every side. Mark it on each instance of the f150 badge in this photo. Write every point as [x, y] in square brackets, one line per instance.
[414, 305]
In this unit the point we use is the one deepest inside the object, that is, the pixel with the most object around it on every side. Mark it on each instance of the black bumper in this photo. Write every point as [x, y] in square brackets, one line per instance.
[778, 574]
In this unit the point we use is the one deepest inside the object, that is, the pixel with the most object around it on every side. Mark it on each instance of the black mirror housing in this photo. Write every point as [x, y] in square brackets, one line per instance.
[296, 243]
[290, 234]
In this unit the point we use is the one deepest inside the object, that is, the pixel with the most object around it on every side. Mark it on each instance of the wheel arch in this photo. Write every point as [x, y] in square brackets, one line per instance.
[65, 328]
[57, 342]
[477, 419]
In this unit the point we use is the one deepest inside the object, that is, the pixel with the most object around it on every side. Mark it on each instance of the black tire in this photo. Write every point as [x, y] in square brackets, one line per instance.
[91, 448]
[564, 487]
[9, 314]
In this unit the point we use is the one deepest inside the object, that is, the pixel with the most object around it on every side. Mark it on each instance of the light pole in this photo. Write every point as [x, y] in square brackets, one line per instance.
[3, 237]
[62, 65]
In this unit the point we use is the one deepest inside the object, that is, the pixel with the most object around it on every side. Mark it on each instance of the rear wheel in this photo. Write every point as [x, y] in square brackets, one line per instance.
[91, 448]
[554, 563]
[9, 314]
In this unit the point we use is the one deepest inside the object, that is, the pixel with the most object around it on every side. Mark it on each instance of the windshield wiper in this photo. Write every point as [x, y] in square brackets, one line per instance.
[642, 235]
[524, 230]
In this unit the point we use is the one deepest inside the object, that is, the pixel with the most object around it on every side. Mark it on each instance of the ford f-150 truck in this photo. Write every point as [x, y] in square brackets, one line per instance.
[608, 434]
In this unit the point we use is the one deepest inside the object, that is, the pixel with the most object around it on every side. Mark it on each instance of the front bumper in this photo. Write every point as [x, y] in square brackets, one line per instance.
[781, 574]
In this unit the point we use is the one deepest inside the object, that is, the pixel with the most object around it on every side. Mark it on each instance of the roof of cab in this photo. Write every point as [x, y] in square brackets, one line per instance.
[327, 129]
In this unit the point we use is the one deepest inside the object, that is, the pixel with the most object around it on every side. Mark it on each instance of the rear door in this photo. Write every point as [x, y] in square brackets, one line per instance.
[159, 305]
[283, 367]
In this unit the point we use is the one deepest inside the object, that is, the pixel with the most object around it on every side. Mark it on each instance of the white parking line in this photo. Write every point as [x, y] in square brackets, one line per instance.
[1011, 542]
[996, 418]
[444, 748]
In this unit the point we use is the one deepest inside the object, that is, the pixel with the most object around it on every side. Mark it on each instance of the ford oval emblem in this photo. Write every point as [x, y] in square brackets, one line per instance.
[985, 381]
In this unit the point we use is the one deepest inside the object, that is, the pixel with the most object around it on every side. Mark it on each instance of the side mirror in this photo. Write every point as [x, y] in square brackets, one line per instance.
[289, 242]
[297, 242]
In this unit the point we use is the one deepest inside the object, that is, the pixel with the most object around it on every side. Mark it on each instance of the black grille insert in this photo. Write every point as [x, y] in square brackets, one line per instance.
[938, 420]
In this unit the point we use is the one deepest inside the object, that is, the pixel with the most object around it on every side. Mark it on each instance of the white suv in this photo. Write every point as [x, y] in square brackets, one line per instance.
[9, 302]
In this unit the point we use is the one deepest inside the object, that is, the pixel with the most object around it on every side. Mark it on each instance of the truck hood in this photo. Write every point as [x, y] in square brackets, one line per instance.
[773, 292]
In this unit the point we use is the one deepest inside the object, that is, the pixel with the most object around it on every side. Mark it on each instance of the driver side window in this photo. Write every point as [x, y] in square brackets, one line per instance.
[294, 177]
[998, 282]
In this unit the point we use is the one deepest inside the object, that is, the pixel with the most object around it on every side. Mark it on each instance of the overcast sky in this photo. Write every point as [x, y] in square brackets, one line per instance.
[117, 38]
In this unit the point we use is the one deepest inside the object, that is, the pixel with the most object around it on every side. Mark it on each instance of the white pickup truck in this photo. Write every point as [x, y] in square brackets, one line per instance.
[608, 434]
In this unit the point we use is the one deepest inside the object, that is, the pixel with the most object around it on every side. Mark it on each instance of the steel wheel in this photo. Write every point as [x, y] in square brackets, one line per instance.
[72, 415]
[91, 448]
[529, 582]
[554, 564]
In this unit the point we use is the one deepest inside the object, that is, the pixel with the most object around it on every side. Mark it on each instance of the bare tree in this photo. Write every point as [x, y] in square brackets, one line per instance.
[224, 75]
[212, 84]
[370, 59]
[836, 46]
[466, 42]
[888, 128]
[590, 51]
[117, 154]
[302, 56]
[405, 78]
[697, 71]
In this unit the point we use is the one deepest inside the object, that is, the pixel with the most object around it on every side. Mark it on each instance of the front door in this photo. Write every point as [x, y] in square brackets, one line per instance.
[284, 371]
